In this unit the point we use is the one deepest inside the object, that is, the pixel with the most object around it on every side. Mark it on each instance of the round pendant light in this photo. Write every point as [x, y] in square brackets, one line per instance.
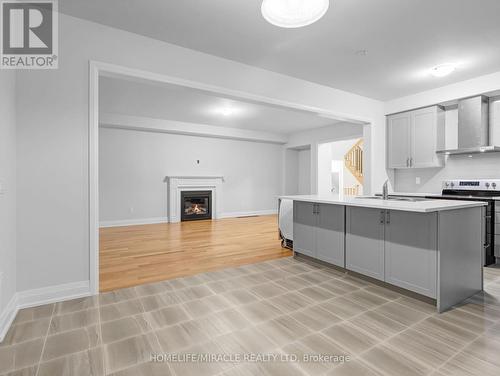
[293, 13]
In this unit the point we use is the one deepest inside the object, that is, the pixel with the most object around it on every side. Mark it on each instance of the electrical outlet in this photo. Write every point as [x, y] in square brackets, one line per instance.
[417, 180]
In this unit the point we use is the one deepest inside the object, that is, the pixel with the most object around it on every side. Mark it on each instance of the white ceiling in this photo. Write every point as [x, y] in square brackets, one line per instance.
[179, 103]
[403, 38]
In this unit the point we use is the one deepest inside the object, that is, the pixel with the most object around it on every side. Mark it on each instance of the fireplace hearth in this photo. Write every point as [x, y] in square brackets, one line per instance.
[196, 205]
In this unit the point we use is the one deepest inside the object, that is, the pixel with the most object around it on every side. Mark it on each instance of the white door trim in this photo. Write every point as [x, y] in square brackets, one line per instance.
[97, 69]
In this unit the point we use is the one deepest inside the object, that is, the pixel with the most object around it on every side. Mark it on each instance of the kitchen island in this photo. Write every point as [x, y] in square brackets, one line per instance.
[430, 247]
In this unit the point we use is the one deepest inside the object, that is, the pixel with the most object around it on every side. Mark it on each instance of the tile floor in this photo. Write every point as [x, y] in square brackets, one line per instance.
[286, 306]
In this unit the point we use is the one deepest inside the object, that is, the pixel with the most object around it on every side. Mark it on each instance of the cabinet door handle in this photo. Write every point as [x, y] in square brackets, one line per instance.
[388, 217]
[411, 162]
[317, 208]
[407, 162]
[382, 216]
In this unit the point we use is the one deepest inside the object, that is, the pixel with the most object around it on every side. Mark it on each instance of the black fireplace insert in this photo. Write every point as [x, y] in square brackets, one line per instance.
[196, 205]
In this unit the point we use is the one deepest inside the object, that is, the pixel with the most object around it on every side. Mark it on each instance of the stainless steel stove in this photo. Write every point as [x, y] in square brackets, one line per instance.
[486, 190]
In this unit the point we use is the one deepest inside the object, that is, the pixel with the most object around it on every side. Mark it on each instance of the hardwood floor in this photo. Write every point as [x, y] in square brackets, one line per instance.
[133, 255]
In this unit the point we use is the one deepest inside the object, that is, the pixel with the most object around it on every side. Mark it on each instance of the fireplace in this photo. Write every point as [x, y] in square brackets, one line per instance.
[196, 205]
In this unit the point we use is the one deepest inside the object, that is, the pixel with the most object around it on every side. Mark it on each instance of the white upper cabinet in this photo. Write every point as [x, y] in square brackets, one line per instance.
[398, 131]
[413, 138]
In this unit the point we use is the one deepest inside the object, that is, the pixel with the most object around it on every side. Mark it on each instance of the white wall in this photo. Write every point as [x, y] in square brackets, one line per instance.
[8, 193]
[133, 166]
[53, 175]
[304, 172]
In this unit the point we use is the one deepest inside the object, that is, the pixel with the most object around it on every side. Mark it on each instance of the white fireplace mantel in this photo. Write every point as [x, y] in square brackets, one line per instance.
[177, 184]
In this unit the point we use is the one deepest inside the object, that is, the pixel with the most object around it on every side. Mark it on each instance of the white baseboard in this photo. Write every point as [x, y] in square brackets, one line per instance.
[7, 316]
[37, 297]
[150, 221]
[132, 222]
[52, 294]
[248, 213]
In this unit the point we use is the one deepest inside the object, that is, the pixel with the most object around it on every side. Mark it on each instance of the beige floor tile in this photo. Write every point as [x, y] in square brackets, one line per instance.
[241, 296]
[463, 319]
[225, 285]
[464, 364]
[392, 363]
[379, 326]
[301, 351]
[197, 308]
[443, 331]
[146, 369]
[275, 274]
[75, 305]
[129, 352]
[217, 303]
[291, 301]
[21, 355]
[75, 320]
[315, 317]
[86, 363]
[296, 268]
[293, 283]
[119, 310]
[343, 307]
[267, 290]
[196, 280]
[317, 294]
[384, 292]
[283, 330]
[74, 341]
[153, 302]
[315, 277]
[117, 296]
[366, 299]
[321, 344]
[166, 316]
[197, 368]
[354, 367]
[152, 289]
[339, 286]
[223, 322]
[120, 329]
[180, 336]
[401, 313]
[194, 292]
[35, 313]
[349, 337]
[358, 282]
[259, 311]
[26, 331]
[422, 347]
[418, 305]
[279, 368]
[253, 340]
[488, 312]
[486, 349]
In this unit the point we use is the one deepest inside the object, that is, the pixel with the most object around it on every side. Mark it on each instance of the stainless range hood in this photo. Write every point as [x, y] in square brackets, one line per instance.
[473, 127]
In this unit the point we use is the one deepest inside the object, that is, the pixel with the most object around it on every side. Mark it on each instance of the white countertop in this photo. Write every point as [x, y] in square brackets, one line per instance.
[414, 194]
[418, 206]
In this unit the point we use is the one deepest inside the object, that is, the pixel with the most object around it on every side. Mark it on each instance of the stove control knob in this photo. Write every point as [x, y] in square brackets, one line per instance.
[446, 184]
[494, 185]
[452, 184]
[487, 185]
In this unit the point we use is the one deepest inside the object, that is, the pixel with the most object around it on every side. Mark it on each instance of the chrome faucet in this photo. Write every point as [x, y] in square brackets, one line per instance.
[385, 191]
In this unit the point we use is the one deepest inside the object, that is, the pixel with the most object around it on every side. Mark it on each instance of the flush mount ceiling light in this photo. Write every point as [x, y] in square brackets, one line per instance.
[225, 111]
[443, 70]
[294, 13]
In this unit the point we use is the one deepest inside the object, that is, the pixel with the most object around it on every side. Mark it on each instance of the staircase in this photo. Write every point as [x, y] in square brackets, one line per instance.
[353, 161]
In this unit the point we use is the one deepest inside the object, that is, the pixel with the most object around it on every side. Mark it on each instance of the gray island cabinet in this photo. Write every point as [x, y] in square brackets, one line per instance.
[433, 248]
